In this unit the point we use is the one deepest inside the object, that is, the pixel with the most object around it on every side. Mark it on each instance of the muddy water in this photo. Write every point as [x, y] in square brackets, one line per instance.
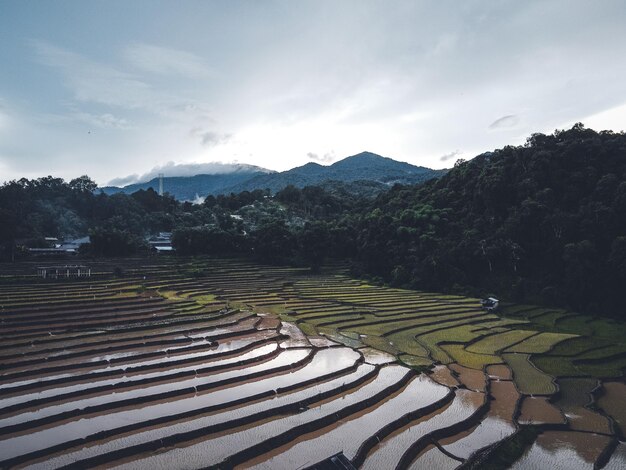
[497, 425]
[538, 410]
[214, 451]
[612, 402]
[505, 398]
[432, 458]
[563, 450]
[471, 378]
[268, 323]
[441, 374]
[321, 365]
[388, 453]
[574, 400]
[159, 375]
[283, 359]
[499, 371]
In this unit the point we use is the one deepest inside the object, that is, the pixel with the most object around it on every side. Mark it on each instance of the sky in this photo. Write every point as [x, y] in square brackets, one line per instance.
[121, 89]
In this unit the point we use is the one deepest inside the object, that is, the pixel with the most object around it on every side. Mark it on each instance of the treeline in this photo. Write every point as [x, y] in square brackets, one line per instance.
[543, 223]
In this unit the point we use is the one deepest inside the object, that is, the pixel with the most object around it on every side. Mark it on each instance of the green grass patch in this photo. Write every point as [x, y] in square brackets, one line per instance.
[548, 320]
[575, 346]
[468, 359]
[557, 366]
[405, 342]
[529, 379]
[458, 334]
[605, 370]
[421, 364]
[381, 344]
[493, 343]
[541, 343]
[604, 352]
[308, 329]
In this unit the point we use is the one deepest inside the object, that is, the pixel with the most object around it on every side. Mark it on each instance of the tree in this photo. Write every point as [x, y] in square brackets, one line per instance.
[112, 242]
[83, 184]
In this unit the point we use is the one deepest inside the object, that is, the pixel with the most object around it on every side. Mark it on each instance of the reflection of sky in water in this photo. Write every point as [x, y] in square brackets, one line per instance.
[374, 356]
[323, 363]
[433, 458]
[489, 431]
[283, 359]
[222, 347]
[160, 374]
[563, 450]
[213, 451]
[389, 452]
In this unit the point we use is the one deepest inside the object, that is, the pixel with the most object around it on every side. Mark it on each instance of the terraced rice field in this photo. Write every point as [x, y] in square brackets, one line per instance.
[222, 363]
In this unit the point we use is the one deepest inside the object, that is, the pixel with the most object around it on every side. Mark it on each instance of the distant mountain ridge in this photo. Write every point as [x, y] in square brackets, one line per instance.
[379, 171]
[189, 188]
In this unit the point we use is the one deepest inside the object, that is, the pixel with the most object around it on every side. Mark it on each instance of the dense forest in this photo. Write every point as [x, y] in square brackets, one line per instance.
[544, 222]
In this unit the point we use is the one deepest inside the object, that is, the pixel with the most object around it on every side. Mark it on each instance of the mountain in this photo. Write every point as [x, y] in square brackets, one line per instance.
[188, 188]
[377, 173]
[365, 166]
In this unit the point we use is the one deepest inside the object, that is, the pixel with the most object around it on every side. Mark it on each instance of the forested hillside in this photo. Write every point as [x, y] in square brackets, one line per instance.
[544, 222]
[541, 223]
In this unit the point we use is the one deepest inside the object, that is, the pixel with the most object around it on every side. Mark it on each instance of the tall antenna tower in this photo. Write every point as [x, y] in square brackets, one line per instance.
[160, 184]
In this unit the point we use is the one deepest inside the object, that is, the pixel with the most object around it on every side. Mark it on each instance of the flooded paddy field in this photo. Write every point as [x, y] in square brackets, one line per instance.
[222, 363]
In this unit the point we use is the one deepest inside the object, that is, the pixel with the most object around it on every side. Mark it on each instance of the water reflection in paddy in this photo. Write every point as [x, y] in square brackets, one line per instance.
[539, 410]
[160, 375]
[297, 338]
[471, 378]
[283, 359]
[388, 453]
[495, 426]
[324, 362]
[563, 450]
[612, 402]
[575, 399]
[213, 451]
[127, 367]
[441, 374]
[374, 356]
[432, 458]
[347, 435]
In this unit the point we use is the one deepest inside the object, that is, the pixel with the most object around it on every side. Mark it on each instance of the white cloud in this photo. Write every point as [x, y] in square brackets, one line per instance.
[186, 169]
[125, 180]
[167, 61]
[267, 83]
[324, 158]
[96, 82]
[105, 120]
[210, 138]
